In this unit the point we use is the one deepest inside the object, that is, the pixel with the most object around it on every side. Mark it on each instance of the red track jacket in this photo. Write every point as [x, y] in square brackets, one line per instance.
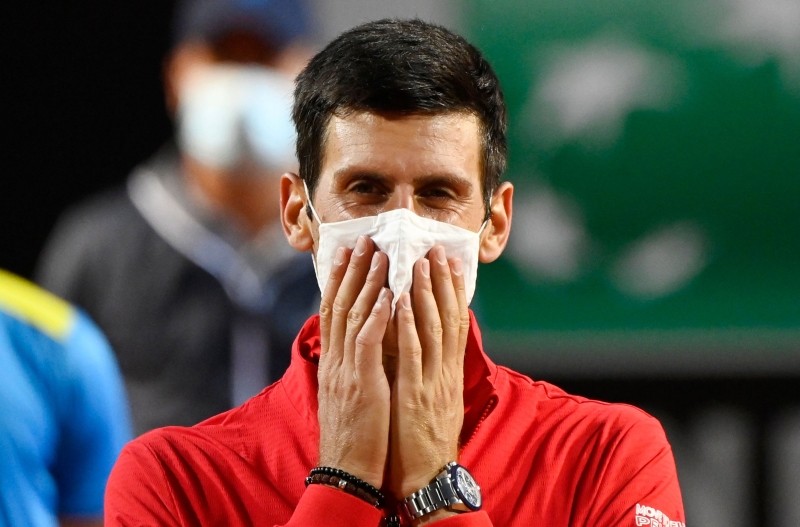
[541, 456]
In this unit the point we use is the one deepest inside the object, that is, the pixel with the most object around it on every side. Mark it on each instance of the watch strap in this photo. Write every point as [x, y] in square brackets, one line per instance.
[439, 494]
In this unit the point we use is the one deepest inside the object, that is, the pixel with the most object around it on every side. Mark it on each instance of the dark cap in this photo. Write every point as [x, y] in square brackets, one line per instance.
[276, 22]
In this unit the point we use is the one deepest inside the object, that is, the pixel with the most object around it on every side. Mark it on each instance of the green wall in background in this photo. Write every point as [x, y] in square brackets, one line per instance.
[655, 148]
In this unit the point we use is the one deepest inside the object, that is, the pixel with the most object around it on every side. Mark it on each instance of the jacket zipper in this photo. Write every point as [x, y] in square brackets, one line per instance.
[490, 404]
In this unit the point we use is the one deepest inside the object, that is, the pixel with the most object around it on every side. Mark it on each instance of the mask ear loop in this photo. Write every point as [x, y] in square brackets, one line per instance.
[309, 204]
[316, 217]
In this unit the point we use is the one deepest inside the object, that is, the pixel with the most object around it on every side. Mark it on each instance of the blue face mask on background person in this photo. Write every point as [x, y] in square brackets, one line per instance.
[230, 115]
[405, 237]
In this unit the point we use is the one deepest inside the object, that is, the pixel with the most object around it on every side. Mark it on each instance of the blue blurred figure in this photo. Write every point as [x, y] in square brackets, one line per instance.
[63, 412]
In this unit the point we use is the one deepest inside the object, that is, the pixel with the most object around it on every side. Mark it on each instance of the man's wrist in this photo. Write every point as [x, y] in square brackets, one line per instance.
[334, 477]
[453, 489]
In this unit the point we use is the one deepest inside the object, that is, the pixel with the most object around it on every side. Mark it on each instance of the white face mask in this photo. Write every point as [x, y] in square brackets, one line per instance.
[405, 238]
[229, 114]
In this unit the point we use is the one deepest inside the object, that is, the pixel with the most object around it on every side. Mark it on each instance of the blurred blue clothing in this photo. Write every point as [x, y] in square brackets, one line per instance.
[63, 412]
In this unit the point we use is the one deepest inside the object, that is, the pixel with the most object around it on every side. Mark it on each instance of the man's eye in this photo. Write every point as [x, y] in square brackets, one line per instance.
[436, 193]
[365, 187]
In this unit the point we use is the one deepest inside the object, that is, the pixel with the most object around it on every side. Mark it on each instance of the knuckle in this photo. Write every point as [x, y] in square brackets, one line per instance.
[435, 328]
[363, 340]
[406, 316]
[325, 309]
[452, 318]
[355, 316]
[339, 308]
[372, 281]
[355, 264]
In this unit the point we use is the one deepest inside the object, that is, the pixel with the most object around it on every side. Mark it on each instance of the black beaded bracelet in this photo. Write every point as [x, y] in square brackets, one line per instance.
[347, 482]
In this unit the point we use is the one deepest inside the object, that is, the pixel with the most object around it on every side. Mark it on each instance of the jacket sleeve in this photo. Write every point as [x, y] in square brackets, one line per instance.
[321, 505]
[140, 493]
[465, 519]
[638, 485]
[138, 496]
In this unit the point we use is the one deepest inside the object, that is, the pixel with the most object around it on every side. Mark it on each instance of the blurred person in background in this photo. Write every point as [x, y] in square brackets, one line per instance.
[63, 413]
[186, 268]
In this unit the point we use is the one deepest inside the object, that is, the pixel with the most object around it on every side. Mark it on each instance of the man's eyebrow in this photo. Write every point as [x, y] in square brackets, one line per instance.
[348, 173]
[446, 179]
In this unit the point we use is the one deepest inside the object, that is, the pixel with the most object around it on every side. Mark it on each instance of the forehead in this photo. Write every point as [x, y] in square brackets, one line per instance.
[447, 144]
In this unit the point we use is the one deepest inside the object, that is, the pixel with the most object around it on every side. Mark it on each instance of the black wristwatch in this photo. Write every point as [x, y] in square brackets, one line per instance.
[453, 488]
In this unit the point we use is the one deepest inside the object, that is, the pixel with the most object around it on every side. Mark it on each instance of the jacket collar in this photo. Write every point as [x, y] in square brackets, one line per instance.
[300, 380]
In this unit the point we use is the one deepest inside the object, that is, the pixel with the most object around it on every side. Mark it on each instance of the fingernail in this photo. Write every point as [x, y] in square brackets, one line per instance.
[361, 246]
[425, 267]
[375, 261]
[382, 297]
[457, 266]
[405, 301]
[338, 258]
[440, 256]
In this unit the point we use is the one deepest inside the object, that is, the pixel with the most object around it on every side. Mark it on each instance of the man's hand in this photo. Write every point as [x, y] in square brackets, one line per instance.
[354, 393]
[428, 391]
[427, 405]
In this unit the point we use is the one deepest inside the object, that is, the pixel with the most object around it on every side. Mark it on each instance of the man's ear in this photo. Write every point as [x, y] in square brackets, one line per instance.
[296, 224]
[496, 232]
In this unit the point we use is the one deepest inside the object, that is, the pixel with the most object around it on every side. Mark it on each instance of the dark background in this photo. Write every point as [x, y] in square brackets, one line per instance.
[82, 106]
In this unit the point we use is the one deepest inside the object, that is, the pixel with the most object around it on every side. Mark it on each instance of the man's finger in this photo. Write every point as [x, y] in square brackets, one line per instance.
[446, 291]
[364, 333]
[426, 315]
[351, 284]
[457, 276]
[409, 359]
[328, 355]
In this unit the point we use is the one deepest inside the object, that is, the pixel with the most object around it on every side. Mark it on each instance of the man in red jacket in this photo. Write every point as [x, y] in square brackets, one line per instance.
[390, 412]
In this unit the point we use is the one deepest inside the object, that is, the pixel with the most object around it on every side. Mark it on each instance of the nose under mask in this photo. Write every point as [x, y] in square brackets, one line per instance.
[405, 238]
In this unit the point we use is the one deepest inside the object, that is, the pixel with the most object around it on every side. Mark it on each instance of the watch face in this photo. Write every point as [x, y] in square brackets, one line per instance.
[466, 487]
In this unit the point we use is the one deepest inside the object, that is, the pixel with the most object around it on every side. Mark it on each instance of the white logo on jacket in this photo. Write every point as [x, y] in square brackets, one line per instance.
[646, 515]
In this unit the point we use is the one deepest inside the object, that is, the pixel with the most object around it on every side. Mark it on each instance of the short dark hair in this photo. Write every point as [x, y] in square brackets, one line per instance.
[398, 67]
